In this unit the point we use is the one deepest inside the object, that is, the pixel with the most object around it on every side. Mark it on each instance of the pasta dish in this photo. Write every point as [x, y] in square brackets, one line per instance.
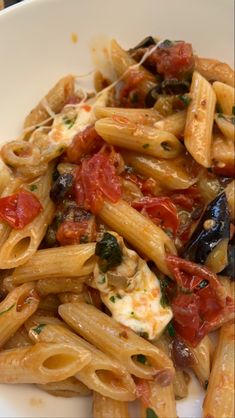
[117, 236]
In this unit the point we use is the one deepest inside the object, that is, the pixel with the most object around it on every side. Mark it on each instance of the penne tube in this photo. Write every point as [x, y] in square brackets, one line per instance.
[217, 260]
[219, 400]
[49, 304]
[174, 124]
[20, 245]
[118, 341]
[145, 139]
[161, 402]
[5, 176]
[226, 126]
[199, 120]
[68, 388]
[54, 100]
[202, 360]
[71, 297]
[104, 407]
[102, 374]
[180, 384]
[15, 309]
[124, 65]
[60, 284]
[224, 96]
[223, 152]
[170, 173]
[230, 193]
[42, 363]
[19, 339]
[142, 116]
[214, 70]
[132, 225]
[68, 261]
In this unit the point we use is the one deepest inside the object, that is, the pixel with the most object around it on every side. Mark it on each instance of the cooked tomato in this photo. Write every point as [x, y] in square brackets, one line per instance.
[84, 143]
[188, 198]
[96, 179]
[70, 232]
[174, 59]
[19, 209]
[224, 169]
[204, 307]
[161, 210]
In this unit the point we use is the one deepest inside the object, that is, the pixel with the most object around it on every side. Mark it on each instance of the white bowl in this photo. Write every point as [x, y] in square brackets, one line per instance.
[36, 49]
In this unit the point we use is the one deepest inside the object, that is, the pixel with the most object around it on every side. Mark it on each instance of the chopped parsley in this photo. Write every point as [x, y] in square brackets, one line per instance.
[109, 251]
[150, 413]
[69, 122]
[33, 187]
[185, 99]
[206, 384]
[39, 328]
[141, 359]
[102, 280]
[7, 310]
[171, 329]
[112, 299]
[143, 334]
[145, 146]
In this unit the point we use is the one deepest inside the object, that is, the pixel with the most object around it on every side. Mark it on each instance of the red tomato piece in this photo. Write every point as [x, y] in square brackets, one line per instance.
[84, 143]
[96, 179]
[175, 60]
[19, 209]
[188, 198]
[205, 308]
[160, 209]
[70, 232]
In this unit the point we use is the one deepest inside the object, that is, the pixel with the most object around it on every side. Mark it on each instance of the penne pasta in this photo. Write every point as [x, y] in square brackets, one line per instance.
[161, 401]
[104, 407]
[202, 360]
[173, 124]
[5, 176]
[214, 70]
[199, 121]
[219, 401]
[154, 243]
[224, 96]
[146, 139]
[60, 284]
[55, 100]
[118, 341]
[226, 126]
[217, 260]
[223, 153]
[170, 173]
[15, 309]
[42, 363]
[19, 339]
[230, 193]
[69, 261]
[140, 116]
[102, 374]
[68, 388]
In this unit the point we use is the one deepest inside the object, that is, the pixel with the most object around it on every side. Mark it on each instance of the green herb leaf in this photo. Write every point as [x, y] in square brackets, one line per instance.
[145, 146]
[69, 122]
[143, 334]
[33, 187]
[109, 252]
[171, 329]
[163, 285]
[150, 413]
[7, 310]
[141, 359]
[166, 43]
[112, 299]
[185, 99]
[39, 328]
[206, 384]
[102, 280]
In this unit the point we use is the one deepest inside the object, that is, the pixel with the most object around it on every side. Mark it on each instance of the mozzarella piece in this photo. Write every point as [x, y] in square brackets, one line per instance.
[137, 304]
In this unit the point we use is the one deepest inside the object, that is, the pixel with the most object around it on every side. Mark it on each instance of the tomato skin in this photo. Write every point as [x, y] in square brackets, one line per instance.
[161, 210]
[205, 307]
[188, 198]
[85, 142]
[70, 233]
[175, 60]
[19, 209]
[96, 179]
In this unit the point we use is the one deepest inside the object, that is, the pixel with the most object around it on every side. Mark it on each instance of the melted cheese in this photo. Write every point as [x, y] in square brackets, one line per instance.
[138, 304]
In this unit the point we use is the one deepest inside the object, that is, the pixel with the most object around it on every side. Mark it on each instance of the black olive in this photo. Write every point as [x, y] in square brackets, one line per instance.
[148, 41]
[174, 86]
[61, 187]
[214, 226]
[50, 237]
[152, 96]
[181, 354]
